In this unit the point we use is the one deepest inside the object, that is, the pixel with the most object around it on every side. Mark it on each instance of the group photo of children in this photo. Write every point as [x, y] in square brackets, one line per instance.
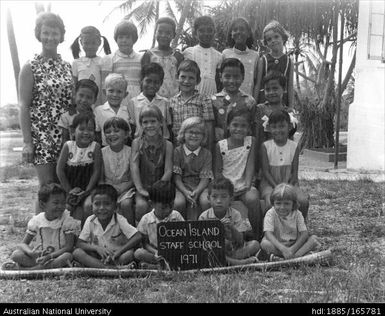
[127, 140]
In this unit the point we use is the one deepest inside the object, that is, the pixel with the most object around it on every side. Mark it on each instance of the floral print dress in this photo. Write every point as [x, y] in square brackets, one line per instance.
[51, 96]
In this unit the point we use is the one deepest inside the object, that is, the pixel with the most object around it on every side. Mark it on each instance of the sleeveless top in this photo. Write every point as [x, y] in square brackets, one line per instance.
[80, 164]
[234, 162]
[169, 63]
[51, 97]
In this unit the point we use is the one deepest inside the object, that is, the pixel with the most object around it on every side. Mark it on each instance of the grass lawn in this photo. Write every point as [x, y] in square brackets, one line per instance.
[347, 215]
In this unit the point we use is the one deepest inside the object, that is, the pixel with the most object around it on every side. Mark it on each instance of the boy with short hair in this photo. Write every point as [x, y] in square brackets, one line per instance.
[107, 239]
[189, 102]
[162, 195]
[115, 90]
[125, 60]
[152, 76]
[232, 74]
[238, 251]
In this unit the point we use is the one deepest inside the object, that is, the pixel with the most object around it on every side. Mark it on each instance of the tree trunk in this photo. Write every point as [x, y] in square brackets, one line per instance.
[13, 49]
[156, 19]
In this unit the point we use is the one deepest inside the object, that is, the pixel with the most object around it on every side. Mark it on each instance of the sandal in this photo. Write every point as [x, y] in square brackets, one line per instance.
[10, 265]
[274, 258]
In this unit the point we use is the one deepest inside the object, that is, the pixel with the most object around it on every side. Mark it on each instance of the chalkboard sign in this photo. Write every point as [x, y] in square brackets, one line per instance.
[192, 244]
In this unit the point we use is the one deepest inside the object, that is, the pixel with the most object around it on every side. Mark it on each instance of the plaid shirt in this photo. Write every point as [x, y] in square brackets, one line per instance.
[197, 105]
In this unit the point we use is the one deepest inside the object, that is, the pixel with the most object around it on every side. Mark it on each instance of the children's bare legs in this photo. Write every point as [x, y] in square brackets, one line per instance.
[46, 174]
[142, 206]
[245, 254]
[90, 259]
[81, 212]
[251, 200]
[29, 262]
[126, 209]
[303, 202]
[180, 204]
[143, 255]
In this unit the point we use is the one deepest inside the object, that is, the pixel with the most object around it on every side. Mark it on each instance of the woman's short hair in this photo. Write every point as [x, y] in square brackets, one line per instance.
[151, 111]
[278, 28]
[189, 65]
[126, 27]
[49, 189]
[232, 62]
[51, 20]
[284, 191]
[249, 40]
[114, 78]
[194, 121]
[87, 83]
[166, 20]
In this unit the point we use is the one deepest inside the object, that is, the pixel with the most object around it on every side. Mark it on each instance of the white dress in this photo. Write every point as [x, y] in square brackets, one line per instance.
[235, 161]
[208, 60]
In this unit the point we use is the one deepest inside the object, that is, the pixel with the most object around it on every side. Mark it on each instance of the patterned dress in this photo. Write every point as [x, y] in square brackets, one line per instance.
[51, 97]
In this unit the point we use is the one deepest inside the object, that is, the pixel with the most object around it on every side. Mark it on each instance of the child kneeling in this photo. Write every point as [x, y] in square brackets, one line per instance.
[107, 239]
[162, 195]
[285, 230]
[54, 230]
[238, 251]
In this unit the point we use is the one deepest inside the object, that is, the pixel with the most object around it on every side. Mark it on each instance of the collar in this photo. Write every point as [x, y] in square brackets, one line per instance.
[224, 93]
[179, 95]
[241, 52]
[123, 55]
[212, 213]
[154, 219]
[156, 145]
[188, 151]
[112, 222]
[142, 97]
[106, 106]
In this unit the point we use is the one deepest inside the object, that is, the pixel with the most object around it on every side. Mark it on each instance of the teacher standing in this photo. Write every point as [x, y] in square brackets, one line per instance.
[45, 91]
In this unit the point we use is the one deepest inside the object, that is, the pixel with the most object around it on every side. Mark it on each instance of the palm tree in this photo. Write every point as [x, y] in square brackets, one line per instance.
[149, 10]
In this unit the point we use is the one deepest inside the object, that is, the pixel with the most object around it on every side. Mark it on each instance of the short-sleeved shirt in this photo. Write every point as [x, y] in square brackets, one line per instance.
[286, 230]
[223, 105]
[114, 237]
[197, 105]
[232, 214]
[52, 233]
[127, 65]
[192, 166]
[136, 104]
[104, 112]
[148, 224]
[66, 120]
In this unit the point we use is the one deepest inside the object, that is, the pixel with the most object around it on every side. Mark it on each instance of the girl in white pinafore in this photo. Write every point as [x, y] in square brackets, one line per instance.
[235, 160]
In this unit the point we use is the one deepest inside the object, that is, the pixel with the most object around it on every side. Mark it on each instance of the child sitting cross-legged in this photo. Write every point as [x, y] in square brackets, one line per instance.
[53, 230]
[162, 196]
[107, 239]
[285, 230]
[238, 251]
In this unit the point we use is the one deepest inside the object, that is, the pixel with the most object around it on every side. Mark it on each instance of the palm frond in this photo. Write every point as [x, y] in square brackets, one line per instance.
[124, 7]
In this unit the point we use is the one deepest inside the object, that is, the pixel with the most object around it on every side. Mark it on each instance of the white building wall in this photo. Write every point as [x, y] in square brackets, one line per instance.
[366, 130]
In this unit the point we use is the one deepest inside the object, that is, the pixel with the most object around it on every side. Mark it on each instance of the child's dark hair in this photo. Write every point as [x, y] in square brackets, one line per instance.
[166, 20]
[106, 189]
[249, 40]
[275, 75]
[201, 20]
[189, 65]
[126, 28]
[162, 192]
[152, 68]
[88, 83]
[278, 28]
[83, 118]
[232, 62]
[221, 183]
[46, 190]
[244, 112]
[89, 31]
[116, 122]
[279, 116]
[151, 110]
